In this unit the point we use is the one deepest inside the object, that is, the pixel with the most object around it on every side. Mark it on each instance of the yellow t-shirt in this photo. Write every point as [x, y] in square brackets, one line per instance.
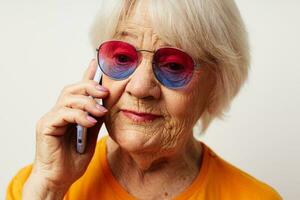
[217, 180]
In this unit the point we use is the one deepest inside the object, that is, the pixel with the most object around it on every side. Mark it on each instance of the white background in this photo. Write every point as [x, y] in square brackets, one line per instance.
[44, 46]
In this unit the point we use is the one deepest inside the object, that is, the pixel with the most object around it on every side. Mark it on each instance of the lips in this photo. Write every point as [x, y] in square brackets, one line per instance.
[138, 116]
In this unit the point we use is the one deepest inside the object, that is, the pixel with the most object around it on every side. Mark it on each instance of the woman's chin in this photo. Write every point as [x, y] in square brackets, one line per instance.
[134, 141]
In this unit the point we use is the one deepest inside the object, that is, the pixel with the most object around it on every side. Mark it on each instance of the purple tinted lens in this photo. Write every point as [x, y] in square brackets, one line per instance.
[173, 67]
[117, 59]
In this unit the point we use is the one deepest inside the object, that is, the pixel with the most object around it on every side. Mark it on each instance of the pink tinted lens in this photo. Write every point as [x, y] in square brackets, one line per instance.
[117, 59]
[173, 67]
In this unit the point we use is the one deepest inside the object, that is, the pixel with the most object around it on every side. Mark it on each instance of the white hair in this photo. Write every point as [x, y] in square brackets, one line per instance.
[212, 31]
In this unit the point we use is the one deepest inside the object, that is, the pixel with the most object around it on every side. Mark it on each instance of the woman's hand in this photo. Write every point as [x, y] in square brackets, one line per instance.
[57, 164]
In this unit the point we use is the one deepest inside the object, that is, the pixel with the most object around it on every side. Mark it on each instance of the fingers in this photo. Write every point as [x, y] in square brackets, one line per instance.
[90, 71]
[84, 103]
[62, 117]
[78, 96]
[75, 105]
[88, 88]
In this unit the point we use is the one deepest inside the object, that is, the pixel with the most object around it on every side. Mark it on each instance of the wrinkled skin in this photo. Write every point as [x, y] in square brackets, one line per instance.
[153, 160]
[142, 155]
[179, 109]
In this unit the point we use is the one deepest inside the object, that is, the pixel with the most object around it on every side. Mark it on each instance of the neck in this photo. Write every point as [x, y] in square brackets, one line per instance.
[168, 172]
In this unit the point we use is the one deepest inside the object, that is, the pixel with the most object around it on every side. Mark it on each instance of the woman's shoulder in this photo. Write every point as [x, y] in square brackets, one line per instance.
[232, 180]
[14, 189]
[15, 186]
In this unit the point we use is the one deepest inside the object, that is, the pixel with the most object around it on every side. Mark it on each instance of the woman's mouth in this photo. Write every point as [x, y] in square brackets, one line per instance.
[138, 116]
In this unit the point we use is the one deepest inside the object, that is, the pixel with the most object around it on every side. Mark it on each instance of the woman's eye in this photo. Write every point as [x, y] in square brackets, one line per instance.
[122, 59]
[174, 67]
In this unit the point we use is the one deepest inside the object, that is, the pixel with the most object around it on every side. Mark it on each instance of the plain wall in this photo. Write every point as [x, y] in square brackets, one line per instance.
[44, 46]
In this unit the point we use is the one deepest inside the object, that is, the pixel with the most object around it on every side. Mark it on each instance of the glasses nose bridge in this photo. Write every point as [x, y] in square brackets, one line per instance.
[139, 52]
[146, 62]
[145, 65]
[149, 51]
[141, 57]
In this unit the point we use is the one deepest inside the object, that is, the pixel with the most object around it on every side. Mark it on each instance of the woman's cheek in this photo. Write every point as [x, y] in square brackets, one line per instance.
[181, 106]
[171, 133]
[116, 90]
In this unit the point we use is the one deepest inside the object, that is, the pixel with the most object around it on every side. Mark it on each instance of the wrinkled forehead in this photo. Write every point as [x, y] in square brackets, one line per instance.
[137, 28]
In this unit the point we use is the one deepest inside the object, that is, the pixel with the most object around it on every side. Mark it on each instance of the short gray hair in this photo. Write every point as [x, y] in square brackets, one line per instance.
[212, 31]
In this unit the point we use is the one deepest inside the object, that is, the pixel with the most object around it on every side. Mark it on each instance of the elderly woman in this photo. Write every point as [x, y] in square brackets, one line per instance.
[167, 65]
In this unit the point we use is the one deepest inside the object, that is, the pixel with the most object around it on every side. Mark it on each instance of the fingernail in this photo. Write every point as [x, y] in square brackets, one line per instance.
[91, 119]
[101, 108]
[101, 88]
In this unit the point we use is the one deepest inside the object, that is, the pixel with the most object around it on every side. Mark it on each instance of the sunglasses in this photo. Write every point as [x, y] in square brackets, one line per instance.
[172, 67]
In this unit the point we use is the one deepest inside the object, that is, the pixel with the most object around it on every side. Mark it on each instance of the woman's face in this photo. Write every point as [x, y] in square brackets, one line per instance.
[176, 110]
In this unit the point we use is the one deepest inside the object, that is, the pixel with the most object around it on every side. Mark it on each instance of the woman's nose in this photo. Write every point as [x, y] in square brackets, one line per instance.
[142, 83]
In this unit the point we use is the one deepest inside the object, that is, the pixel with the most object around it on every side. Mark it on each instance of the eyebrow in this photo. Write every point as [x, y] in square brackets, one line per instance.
[124, 33]
[127, 30]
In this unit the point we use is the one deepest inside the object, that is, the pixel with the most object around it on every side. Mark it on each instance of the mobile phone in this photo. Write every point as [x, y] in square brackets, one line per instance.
[81, 136]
